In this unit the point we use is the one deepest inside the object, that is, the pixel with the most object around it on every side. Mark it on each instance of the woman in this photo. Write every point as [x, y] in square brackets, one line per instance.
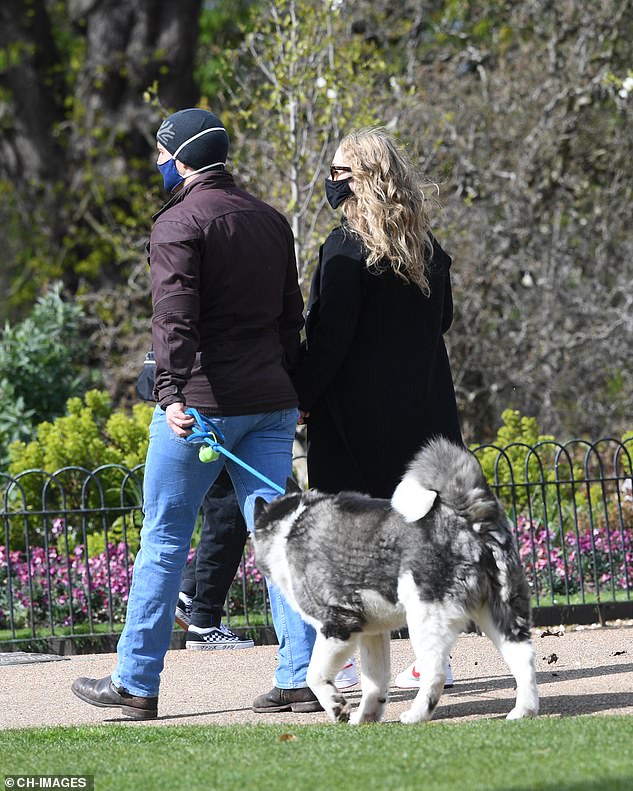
[375, 381]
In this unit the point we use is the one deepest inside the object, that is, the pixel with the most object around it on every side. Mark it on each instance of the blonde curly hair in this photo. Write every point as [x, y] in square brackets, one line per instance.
[388, 209]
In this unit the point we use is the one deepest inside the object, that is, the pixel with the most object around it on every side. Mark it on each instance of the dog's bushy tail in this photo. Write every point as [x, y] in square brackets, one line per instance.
[446, 470]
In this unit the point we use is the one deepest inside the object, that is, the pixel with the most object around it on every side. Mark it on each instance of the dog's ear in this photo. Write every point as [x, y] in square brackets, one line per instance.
[292, 487]
[259, 506]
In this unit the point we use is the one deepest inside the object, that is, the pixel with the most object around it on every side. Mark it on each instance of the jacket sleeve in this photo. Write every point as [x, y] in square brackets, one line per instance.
[447, 311]
[175, 277]
[340, 293]
[441, 263]
[291, 320]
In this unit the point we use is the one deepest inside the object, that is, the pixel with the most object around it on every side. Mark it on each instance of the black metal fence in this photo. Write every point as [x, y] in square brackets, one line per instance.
[68, 541]
[571, 506]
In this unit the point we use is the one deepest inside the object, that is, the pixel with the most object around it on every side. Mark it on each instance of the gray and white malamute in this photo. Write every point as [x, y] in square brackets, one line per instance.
[437, 556]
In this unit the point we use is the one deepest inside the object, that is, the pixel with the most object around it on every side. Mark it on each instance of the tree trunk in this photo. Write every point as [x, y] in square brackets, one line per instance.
[33, 83]
[130, 46]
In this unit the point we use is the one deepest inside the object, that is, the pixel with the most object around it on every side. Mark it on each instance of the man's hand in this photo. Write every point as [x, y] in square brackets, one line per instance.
[179, 422]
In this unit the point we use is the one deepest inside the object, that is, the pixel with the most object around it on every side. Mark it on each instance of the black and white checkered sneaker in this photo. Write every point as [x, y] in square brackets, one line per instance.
[183, 612]
[217, 637]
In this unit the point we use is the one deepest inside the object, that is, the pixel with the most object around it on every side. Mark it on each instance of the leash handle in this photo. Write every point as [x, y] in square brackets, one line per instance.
[205, 429]
[207, 432]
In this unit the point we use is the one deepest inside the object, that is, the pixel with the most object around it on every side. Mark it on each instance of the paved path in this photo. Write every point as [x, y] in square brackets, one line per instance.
[588, 671]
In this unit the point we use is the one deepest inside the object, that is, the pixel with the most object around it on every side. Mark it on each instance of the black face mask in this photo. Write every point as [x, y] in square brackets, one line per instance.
[337, 191]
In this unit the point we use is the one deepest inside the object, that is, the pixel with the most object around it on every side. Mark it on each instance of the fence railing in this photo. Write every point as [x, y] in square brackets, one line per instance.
[571, 506]
[68, 540]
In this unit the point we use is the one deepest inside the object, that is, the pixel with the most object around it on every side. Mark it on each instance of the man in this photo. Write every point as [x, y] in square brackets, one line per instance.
[208, 575]
[227, 312]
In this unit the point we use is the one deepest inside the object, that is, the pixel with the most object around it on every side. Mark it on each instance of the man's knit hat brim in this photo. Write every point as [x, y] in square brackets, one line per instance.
[208, 142]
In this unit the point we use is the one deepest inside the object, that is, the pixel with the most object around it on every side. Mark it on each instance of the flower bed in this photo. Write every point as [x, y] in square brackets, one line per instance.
[592, 561]
[50, 587]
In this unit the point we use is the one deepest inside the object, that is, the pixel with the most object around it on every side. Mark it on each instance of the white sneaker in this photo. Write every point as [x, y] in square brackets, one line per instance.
[348, 676]
[410, 678]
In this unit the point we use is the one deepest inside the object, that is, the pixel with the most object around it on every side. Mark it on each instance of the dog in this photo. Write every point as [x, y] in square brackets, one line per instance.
[437, 556]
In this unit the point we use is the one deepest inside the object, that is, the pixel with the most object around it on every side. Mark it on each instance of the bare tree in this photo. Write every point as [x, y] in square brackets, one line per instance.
[512, 108]
[517, 108]
[303, 79]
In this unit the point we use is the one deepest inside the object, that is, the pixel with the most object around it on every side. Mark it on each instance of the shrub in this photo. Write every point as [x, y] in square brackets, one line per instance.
[90, 452]
[39, 366]
[508, 459]
[535, 475]
[89, 435]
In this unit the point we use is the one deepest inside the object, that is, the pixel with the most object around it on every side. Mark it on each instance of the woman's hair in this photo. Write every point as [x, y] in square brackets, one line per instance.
[388, 210]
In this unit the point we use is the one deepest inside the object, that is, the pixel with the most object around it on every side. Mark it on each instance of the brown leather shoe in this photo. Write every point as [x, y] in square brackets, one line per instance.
[102, 692]
[297, 700]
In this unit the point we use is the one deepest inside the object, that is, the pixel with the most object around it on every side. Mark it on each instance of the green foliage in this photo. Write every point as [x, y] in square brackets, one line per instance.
[563, 486]
[504, 111]
[124, 529]
[516, 437]
[298, 91]
[222, 26]
[103, 243]
[40, 361]
[90, 234]
[520, 463]
[89, 436]
[74, 447]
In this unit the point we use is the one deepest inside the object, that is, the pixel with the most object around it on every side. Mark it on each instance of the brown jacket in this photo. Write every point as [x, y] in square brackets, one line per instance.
[227, 309]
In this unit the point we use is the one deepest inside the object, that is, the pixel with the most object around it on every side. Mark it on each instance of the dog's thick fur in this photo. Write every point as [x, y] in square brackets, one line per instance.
[437, 556]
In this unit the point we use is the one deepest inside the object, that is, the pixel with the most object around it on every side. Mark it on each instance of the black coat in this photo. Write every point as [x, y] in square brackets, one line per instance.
[375, 375]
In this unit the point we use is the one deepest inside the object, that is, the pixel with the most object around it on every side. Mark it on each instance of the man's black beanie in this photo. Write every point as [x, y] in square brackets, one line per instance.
[206, 149]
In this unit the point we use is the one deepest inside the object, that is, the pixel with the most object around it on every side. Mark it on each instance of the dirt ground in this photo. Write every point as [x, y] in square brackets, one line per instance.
[581, 671]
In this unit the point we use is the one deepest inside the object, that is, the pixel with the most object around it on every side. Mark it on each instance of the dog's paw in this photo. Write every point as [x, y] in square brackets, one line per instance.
[359, 717]
[341, 709]
[356, 717]
[518, 713]
[411, 716]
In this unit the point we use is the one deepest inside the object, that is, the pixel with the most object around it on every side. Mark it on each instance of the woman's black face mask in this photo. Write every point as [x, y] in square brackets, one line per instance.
[337, 191]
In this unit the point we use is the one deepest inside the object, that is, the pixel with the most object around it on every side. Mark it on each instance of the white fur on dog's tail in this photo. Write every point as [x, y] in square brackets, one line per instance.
[442, 468]
[412, 500]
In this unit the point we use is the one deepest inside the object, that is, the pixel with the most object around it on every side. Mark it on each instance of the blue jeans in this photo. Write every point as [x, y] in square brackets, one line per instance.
[174, 486]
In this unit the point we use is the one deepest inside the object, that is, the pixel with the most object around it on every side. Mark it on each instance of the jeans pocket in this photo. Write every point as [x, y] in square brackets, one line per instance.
[288, 418]
[181, 441]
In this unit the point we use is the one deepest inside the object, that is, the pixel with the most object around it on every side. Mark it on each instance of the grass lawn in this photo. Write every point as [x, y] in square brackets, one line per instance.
[571, 754]
[606, 596]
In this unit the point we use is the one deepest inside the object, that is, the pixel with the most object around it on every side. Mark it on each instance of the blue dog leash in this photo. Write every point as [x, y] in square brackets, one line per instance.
[206, 432]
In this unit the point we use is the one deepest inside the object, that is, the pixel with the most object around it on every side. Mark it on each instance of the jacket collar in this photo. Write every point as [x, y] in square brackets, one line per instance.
[215, 179]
